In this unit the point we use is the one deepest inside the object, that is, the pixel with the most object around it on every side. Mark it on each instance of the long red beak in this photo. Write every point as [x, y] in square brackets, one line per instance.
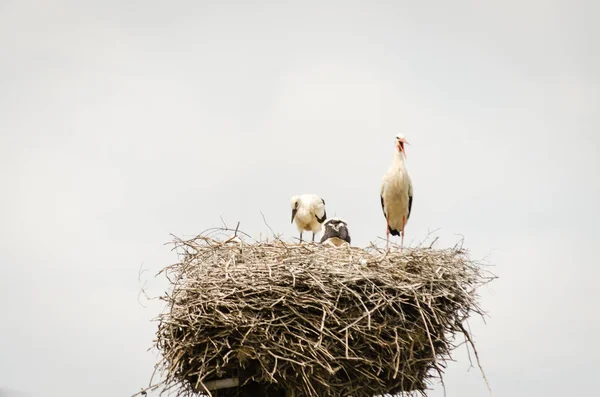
[401, 147]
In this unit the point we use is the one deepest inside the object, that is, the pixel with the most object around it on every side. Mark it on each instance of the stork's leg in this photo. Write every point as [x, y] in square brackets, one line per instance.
[313, 237]
[387, 237]
[300, 237]
[402, 240]
[387, 241]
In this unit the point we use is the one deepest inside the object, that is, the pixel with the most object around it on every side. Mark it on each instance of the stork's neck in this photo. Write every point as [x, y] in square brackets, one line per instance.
[398, 158]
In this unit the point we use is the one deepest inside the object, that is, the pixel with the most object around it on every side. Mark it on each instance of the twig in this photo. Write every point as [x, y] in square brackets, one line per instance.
[476, 358]
[265, 221]
[142, 287]
[144, 392]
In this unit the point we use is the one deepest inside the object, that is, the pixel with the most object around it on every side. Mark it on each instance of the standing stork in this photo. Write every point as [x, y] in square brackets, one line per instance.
[396, 194]
[308, 210]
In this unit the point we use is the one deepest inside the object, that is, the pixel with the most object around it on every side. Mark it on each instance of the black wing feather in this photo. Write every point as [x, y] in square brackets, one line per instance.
[321, 220]
[344, 235]
[327, 234]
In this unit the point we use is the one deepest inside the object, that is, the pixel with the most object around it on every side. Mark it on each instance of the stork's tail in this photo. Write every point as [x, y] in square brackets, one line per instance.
[394, 232]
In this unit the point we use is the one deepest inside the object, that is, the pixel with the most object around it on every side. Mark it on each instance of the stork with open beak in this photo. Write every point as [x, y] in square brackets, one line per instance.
[308, 210]
[397, 194]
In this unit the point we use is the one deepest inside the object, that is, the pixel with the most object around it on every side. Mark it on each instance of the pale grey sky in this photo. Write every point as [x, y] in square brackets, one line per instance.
[124, 121]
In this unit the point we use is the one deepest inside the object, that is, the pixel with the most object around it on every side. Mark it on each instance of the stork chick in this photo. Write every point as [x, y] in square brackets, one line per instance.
[336, 232]
[396, 194]
[308, 210]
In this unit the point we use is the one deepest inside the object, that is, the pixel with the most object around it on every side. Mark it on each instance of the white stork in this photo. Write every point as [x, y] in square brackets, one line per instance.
[308, 210]
[336, 232]
[396, 194]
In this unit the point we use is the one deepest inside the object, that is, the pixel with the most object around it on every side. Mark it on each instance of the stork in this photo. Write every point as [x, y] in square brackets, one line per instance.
[396, 194]
[336, 232]
[308, 210]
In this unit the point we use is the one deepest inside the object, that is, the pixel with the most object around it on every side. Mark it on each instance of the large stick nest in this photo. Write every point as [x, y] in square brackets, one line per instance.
[312, 320]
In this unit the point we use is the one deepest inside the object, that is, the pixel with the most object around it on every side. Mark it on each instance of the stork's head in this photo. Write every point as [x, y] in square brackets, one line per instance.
[294, 201]
[400, 142]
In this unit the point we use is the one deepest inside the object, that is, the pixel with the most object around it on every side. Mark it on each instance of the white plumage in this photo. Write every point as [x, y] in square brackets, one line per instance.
[308, 211]
[397, 194]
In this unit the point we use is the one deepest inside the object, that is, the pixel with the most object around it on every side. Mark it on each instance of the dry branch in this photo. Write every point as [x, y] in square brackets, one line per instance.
[311, 320]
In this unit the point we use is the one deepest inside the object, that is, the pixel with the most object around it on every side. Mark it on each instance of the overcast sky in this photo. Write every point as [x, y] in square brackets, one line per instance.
[124, 121]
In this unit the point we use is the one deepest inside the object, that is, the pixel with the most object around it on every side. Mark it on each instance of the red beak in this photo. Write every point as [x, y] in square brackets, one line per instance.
[401, 146]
